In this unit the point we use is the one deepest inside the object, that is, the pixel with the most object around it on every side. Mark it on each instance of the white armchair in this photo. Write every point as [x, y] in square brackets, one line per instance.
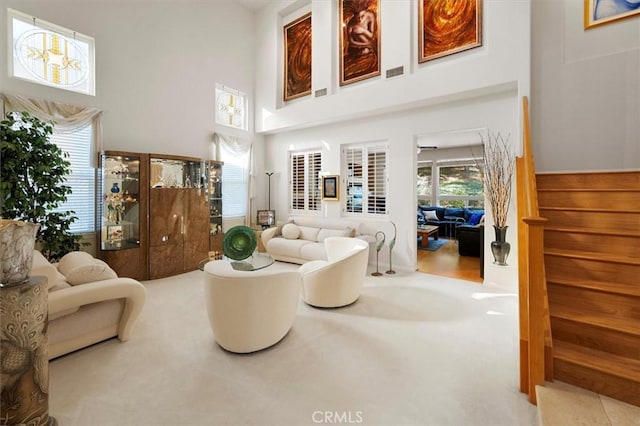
[338, 281]
[250, 310]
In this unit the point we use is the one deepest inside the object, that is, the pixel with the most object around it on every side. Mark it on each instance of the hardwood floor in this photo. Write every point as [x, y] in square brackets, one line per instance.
[446, 262]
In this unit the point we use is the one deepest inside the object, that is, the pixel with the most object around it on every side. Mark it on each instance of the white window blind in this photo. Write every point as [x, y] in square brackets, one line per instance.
[234, 183]
[365, 168]
[304, 181]
[82, 179]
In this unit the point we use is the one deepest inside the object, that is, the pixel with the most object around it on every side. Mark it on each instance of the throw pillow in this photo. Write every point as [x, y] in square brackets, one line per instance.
[475, 218]
[290, 231]
[325, 233]
[430, 215]
[96, 270]
[72, 260]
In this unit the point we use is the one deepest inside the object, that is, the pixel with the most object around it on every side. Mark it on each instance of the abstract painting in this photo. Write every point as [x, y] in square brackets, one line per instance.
[447, 27]
[598, 12]
[297, 58]
[359, 40]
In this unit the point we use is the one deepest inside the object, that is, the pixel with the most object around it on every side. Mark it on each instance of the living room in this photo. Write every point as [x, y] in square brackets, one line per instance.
[157, 64]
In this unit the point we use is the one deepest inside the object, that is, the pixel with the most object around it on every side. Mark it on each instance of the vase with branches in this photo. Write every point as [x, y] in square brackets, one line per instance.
[499, 164]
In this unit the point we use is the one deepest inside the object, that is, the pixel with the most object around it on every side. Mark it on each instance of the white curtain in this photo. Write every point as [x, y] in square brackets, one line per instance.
[237, 145]
[67, 118]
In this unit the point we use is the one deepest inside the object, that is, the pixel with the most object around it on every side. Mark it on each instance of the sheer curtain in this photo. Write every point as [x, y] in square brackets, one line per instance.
[239, 146]
[67, 118]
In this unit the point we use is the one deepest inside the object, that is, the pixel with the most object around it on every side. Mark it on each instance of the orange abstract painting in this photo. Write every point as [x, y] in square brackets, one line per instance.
[297, 58]
[448, 26]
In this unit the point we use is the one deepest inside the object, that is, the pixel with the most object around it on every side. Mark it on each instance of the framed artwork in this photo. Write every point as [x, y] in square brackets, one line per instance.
[297, 58]
[446, 27]
[359, 40]
[266, 218]
[598, 12]
[330, 189]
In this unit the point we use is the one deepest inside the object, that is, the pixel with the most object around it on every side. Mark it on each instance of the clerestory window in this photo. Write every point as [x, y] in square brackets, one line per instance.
[48, 54]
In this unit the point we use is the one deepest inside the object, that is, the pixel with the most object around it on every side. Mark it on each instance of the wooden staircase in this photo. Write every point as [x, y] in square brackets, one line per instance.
[592, 263]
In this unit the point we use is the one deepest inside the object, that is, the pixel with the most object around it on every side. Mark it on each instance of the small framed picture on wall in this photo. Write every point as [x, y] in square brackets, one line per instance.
[330, 188]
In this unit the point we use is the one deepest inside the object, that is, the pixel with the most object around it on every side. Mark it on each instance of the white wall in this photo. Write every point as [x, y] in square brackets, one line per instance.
[400, 131]
[585, 102]
[478, 88]
[156, 67]
[503, 57]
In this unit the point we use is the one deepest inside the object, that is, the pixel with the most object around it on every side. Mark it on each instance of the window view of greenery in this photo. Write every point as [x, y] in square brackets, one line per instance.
[424, 190]
[461, 186]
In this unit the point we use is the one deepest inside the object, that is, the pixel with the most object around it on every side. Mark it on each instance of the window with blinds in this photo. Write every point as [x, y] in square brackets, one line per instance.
[365, 171]
[304, 181]
[82, 179]
[234, 183]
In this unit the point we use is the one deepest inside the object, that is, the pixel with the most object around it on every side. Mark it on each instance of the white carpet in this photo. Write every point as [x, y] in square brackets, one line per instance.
[415, 349]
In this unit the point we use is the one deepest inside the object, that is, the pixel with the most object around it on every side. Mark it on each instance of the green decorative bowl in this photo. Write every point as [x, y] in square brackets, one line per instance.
[239, 242]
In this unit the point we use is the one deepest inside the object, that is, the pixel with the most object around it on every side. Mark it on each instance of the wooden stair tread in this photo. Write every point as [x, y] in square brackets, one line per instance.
[578, 230]
[588, 209]
[597, 319]
[598, 360]
[609, 287]
[585, 255]
[588, 189]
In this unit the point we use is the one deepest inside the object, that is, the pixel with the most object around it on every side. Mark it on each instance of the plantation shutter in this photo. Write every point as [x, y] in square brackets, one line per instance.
[377, 181]
[297, 182]
[304, 181]
[82, 179]
[354, 172]
[314, 191]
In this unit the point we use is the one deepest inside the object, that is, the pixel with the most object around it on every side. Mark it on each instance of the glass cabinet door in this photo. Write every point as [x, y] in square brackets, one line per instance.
[214, 171]
[120, 201]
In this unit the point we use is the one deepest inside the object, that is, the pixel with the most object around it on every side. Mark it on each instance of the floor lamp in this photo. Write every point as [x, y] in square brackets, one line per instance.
[267, 218]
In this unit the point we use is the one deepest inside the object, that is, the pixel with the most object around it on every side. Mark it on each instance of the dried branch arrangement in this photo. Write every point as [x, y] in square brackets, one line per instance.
[499, 163]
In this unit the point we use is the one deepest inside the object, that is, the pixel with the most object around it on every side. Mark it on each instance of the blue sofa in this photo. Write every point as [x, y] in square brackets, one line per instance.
[448, 218]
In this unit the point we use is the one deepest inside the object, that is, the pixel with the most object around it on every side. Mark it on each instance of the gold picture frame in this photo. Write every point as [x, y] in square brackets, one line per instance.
[445, 29]
[359, 40]
[331, 188]
[297, 58]
[621, 11]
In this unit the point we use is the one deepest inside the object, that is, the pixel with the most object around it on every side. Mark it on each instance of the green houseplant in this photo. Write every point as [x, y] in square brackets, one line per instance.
[499, 163]
[32, 182]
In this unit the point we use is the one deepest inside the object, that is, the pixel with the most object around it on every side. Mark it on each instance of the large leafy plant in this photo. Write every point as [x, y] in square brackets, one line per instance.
[33, 180]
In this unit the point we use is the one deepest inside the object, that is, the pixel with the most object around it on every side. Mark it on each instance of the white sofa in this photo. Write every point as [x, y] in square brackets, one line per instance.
[88, 303]
[301, 240]
[338, 281]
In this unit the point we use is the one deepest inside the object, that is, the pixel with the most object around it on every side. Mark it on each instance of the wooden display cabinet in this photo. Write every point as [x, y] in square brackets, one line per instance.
[178, 215]
[122, 212]
[214, 179]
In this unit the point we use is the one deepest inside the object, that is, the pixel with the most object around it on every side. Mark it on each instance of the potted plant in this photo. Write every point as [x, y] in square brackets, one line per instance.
[498, 177]
[32, 182]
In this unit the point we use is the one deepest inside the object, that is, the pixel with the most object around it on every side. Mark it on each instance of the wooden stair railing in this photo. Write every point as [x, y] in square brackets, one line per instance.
[536, 350]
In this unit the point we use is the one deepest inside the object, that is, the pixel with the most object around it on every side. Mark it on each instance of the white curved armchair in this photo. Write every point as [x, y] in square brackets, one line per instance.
[338, 281]
[250, 310]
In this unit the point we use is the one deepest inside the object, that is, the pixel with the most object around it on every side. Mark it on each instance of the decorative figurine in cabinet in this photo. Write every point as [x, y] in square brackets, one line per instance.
[122, 213]
[214, 178]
